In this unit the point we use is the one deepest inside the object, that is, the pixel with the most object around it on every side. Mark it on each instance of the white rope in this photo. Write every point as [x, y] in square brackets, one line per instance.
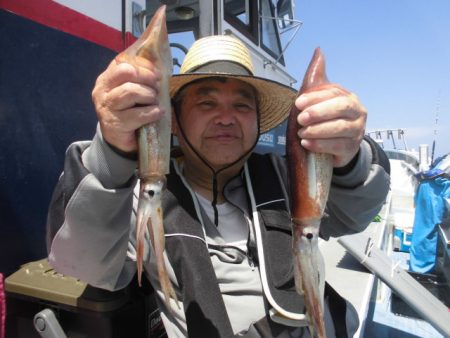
[262, 264]
[184, 235]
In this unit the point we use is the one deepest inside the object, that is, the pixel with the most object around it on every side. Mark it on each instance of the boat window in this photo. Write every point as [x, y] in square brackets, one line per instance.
[285, 13]
[269, 31]
[183, 25]
[179, 18]
[179, 44]
[243, 16]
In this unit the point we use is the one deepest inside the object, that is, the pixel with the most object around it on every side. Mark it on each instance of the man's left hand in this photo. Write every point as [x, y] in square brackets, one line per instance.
[332, 121]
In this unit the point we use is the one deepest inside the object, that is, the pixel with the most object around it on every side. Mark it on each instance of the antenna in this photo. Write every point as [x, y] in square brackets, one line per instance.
[436, 120]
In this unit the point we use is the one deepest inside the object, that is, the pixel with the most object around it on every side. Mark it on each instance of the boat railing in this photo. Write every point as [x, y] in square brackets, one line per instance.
[393, 142]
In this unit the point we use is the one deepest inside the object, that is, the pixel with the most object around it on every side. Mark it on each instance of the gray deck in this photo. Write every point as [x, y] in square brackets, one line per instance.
[347, 275]
[362, 289]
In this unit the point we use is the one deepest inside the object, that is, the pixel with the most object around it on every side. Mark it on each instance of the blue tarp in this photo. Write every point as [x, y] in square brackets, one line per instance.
[430, 200]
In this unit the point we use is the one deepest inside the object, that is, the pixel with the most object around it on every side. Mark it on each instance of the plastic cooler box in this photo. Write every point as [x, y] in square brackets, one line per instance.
[79, 309]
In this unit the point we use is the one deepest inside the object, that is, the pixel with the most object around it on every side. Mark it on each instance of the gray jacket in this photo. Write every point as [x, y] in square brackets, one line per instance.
[92, 217]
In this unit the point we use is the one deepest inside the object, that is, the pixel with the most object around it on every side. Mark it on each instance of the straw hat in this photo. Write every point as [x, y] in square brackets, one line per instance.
[227, 56]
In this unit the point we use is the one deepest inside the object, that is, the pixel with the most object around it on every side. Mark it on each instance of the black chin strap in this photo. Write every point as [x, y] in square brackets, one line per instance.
[214, 172]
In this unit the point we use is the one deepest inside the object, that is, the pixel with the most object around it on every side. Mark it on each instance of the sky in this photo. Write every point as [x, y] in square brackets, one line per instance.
[394, 54]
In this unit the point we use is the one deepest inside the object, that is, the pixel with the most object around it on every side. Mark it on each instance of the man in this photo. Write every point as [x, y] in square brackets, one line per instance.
[226, 210]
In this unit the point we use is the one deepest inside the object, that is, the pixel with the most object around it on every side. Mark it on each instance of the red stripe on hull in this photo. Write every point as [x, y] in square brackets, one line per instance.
[57, 16]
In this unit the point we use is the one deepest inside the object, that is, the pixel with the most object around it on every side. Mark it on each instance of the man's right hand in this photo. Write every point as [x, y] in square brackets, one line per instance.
[125, 98]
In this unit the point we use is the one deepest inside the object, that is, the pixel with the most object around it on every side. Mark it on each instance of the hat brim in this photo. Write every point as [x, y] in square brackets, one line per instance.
[275, 99]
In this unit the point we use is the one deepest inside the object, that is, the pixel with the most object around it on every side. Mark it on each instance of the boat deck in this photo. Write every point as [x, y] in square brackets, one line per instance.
[341, 267]
[385, 323]
[371, 297]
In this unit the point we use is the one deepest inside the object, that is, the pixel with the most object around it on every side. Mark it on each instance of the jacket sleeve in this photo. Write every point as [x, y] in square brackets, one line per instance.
[356, 197]
[88, 224]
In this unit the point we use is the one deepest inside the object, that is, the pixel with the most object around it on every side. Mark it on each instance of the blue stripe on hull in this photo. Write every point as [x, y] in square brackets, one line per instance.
[46, 78]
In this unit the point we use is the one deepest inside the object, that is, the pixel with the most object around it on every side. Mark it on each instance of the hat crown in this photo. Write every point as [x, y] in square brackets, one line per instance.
[216, 48]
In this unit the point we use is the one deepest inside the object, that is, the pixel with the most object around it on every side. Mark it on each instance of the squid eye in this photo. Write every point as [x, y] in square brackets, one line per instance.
[151, 193]
[309, 236]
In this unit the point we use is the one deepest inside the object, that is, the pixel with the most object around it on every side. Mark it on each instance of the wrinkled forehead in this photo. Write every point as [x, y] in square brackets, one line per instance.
[210, 85]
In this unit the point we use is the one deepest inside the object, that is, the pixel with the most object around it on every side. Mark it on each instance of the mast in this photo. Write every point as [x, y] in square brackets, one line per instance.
[436, 120]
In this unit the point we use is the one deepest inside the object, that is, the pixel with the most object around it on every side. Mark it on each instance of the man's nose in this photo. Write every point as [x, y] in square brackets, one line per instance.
[225, 115]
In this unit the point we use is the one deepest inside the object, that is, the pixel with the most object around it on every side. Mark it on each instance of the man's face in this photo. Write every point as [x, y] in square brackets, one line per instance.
[219, 118]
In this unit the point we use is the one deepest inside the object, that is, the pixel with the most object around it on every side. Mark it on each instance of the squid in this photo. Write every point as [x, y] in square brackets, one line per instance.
[153, 150]
[310, 177]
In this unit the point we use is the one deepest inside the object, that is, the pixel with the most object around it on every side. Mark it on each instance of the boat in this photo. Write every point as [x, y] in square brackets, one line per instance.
[391, 300]
[52, 52]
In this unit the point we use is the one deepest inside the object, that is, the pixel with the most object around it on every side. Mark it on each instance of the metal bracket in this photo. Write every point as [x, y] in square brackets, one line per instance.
[296, 26]
[47, 325]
